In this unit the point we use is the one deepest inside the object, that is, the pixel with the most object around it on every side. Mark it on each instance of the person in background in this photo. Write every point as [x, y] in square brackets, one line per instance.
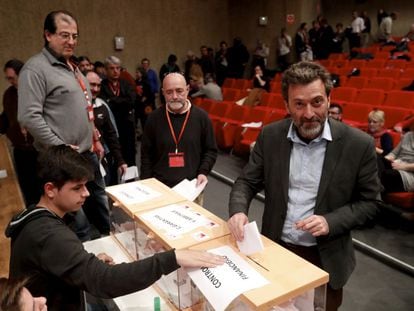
[222, 63]
[383, 139]
[84, 64]
[99, 68]
[261, 83]
[357, 26]
[14, 296]
[151, 77]
[335, 112]
[209, 89]
[178, 140]
[24, 154]
[315, 195]
[385, 28]
[284, 45]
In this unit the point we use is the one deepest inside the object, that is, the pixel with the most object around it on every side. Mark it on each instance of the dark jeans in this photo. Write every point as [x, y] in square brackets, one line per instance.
[96, 208]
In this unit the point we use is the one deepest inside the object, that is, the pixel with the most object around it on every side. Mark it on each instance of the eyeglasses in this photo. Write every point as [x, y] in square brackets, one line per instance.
[66, 36]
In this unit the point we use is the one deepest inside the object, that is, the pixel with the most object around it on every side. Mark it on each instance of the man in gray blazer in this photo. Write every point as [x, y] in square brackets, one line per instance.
[319, 176]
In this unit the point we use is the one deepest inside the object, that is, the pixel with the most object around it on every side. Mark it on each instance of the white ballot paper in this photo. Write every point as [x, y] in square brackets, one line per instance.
[130, 173]
[188, 189]
[221, 285]
[175, 219]
[132, 193]
[252, 242]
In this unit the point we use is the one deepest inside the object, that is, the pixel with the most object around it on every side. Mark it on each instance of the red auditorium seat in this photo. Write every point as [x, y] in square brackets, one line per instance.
[243, 84]
[357, 63]
[231, 94]
[408, 73]
[226, 126]
[370, 97]
[356, 115]
[400, 199]
[228, 82]
[382, 55]
[396, 64]
[207, 104]
[275, 87]
[394, 115]
[402, 99]
[389, 73]
[220, 110]
[385, 84]
[376, 63]
[343, 93]
[356, 82]
[402, 82]
[368, 72]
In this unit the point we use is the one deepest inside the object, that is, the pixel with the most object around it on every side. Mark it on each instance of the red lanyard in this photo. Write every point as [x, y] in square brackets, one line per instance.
[89, 108]
[172, 130]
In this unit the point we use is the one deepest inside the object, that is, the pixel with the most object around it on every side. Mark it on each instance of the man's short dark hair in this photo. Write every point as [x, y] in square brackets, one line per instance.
[303, 73]
[50, 22]
[14, 64]
[172, 58]
[335, 105]
[60, 164]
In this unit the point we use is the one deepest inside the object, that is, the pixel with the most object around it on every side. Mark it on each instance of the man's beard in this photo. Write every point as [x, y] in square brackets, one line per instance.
[176, 105]
[310, 131]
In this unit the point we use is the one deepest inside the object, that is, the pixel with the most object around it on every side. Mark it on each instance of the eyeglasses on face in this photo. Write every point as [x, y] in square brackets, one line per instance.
[66, 36]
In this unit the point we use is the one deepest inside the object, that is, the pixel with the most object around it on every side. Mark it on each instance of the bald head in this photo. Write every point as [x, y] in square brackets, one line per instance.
[94, 83]
[175, 90]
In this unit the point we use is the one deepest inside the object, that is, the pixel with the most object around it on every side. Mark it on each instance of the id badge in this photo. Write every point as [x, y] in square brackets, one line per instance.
[176, 159]
[89, 109]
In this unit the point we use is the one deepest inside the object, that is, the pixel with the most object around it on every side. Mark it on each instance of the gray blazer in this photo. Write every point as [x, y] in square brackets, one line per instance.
[347, 197]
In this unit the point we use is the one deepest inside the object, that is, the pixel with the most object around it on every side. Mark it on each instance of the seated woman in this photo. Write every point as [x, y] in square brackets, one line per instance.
[261, 84]
[14, 296]
[383, 140]
[398, 174]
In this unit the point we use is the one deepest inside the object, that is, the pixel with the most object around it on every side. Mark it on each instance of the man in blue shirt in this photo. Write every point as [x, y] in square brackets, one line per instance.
[319, 176]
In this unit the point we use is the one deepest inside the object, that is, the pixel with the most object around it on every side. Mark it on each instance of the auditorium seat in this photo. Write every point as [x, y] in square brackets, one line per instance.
[207, 104]
[231, 94]
[356, 115]
[408, 73]
[357, 63]
[402, 99]
[371, 97]
[243, 84]
[226, 126]
[376, 63]
[396, 64]
[401, 199]
[385, 84]
[356, 82]
[389, 73]
[220, 110]
[343, 93]
[382, 55]
[394, 115]
[228, 83]
[276, 87]
[368, 72]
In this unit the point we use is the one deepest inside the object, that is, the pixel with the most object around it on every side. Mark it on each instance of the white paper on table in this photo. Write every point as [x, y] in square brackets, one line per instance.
[188, 189]
[132, 193]
[130, 173]
[221, 285]
[175, 219]
[253, 124]
[252, 242]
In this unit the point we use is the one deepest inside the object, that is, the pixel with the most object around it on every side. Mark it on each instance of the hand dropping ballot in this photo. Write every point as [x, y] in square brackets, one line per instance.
[221, 285]
[252, 242]
[189, 189]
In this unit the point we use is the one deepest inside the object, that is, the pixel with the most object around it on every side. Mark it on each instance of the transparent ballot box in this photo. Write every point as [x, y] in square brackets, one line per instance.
[292, 282]
[179, 226]
[133, 197]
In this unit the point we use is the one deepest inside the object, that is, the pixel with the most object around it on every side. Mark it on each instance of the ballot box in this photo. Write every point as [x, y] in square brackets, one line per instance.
[176, 226]
[286, 281]
[129, 198]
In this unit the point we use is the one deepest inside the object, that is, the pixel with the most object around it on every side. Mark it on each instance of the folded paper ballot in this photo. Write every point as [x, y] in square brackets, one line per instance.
[252, 242]
[130, 173]
[188, 189]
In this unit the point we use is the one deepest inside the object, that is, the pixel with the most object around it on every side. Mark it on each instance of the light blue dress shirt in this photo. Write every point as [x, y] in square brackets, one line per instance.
[306, 161]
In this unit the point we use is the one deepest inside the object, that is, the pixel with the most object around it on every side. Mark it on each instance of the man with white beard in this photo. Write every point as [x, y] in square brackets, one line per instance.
[178, 140]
